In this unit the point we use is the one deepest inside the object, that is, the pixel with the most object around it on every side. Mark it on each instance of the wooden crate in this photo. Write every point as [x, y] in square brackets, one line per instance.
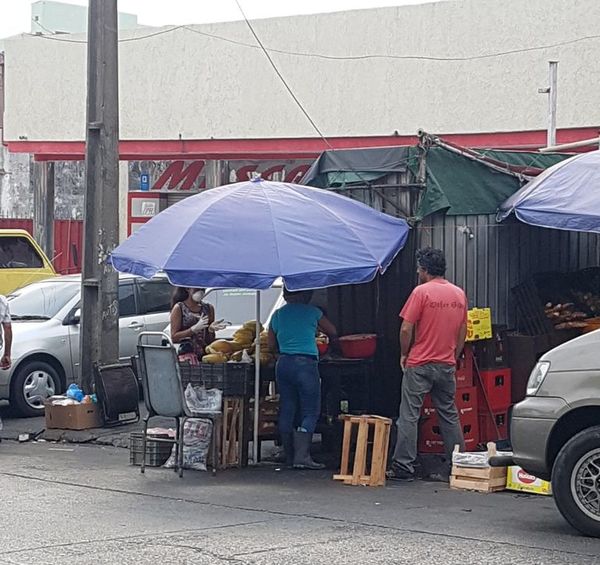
[480, 479]
[232, 446]
[368, 473]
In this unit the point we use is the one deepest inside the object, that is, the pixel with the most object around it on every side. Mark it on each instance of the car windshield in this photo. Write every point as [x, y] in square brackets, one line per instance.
[41, 300]
[239, 305]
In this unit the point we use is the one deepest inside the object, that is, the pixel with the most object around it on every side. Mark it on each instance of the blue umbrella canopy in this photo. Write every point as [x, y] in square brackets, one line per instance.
[566, 196]
[246, 235]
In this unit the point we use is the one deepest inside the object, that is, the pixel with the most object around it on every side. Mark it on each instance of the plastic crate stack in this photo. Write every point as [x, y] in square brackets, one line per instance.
[430, 436]
[494, 382]
[234, 379]
[483, 389]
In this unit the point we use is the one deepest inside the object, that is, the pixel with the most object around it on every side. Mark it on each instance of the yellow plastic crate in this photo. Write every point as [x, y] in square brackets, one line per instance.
[517, 479]
[479, 324]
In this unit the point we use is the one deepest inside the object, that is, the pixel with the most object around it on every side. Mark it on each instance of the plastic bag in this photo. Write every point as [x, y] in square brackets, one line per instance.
[196, 443]
[199, 400]
[246, 357]
[75, 392]
[209, 400]
[474, 459]
[191, 399]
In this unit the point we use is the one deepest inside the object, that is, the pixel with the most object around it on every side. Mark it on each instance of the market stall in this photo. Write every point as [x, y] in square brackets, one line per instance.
[246, 235]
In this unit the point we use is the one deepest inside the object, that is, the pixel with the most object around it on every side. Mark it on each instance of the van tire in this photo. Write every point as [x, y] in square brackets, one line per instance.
[17, 396]
[580, 454]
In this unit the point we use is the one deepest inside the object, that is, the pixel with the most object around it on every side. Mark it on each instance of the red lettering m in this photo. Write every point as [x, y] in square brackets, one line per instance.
[176, 173]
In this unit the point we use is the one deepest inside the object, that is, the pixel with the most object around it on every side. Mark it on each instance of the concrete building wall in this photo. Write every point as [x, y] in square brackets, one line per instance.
[16, 188]
[52, 17]
[183, 83]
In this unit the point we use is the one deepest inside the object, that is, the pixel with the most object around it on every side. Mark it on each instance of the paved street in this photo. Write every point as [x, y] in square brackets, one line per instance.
[84, 504]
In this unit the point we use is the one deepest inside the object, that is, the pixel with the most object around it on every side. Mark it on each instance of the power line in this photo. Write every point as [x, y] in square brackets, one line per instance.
[84, 41]
[285, 84]
[325, 56]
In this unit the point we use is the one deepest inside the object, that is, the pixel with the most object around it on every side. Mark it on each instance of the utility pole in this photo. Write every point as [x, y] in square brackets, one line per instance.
[552, 93]
[100, 306]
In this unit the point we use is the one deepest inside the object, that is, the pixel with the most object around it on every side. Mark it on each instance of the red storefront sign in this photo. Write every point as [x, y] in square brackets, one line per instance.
[184, 175]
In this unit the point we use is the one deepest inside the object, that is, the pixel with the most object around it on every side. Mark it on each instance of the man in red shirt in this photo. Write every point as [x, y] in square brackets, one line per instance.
[432, 336]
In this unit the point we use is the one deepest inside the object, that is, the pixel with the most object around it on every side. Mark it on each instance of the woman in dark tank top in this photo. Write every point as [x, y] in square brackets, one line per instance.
[192, 321]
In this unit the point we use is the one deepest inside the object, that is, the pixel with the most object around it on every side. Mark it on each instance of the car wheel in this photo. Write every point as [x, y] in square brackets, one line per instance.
[576, 481]
[32, 384]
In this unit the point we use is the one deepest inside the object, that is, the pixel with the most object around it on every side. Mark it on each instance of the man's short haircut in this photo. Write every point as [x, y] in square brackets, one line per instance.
[432, 261]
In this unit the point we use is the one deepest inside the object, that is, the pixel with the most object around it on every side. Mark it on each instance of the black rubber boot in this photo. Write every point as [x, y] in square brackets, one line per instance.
[287, 441]
[302, 458]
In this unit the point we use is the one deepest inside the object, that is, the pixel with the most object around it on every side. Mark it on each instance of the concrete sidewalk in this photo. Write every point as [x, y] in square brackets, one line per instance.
[35, 428]
[84, 504]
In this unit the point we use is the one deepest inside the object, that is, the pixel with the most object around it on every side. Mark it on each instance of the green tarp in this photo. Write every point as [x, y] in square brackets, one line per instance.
[462, 186]
[455, 184]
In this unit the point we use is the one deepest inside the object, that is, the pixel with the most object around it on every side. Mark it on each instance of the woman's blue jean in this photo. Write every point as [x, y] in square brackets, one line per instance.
[299, 387]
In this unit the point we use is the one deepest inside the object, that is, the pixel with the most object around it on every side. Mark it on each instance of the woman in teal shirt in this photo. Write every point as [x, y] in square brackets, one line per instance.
[292, 333]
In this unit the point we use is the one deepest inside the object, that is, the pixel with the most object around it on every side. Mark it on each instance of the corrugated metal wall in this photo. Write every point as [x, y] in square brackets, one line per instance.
[484, 257]
[487, 259]
[374, 307]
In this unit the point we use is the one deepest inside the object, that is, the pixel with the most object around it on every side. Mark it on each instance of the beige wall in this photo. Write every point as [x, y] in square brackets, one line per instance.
[185, 83]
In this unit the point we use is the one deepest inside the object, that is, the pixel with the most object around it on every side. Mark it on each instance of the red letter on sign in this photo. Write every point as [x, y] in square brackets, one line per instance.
[296, 174]
[175, 174]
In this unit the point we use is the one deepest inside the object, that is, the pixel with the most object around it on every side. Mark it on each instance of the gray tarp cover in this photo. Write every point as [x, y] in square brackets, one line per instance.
[366, 164]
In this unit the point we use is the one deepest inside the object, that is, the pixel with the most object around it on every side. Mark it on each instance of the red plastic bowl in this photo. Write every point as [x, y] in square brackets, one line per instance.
[358, 346]
[323, 348]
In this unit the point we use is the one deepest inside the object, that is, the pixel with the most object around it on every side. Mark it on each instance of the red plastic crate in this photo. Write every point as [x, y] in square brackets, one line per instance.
[464, 368]
[493, 427]
[496, 384]
[465, 398]
[430, 435]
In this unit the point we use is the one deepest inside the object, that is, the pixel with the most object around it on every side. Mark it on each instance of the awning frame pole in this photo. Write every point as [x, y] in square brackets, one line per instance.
[255, 447]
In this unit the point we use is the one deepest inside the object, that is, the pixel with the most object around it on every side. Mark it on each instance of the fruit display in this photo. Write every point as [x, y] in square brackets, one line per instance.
[215, 358]
[220, 346]
[565, 316]
[244, 340]
[588, 300]
[266, 355]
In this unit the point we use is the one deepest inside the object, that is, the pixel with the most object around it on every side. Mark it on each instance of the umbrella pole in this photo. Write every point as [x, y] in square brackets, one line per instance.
[256, 382]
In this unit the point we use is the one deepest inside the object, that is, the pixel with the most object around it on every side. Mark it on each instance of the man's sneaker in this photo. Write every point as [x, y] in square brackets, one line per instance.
[400, 476]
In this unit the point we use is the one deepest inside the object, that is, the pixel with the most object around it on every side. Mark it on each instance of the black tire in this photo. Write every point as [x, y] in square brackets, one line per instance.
[26, 371]
[576, 472]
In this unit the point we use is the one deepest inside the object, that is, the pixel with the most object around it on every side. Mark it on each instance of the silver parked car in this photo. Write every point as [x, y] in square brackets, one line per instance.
[555, 431]
[46, 334]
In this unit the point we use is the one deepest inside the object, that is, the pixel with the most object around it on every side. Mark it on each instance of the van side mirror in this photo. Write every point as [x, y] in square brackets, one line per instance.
[76, 318]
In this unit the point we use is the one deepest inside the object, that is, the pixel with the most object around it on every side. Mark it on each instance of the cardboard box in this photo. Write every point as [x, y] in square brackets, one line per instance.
[519, 480]
[74, 417]
[479, 324]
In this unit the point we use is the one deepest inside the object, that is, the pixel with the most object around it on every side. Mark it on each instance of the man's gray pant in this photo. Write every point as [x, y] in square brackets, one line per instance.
[417, 382]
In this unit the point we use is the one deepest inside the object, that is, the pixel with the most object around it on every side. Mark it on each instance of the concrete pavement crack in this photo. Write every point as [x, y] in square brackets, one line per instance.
[334, 539]
[128, 538]
[298, 515]
[232, 559]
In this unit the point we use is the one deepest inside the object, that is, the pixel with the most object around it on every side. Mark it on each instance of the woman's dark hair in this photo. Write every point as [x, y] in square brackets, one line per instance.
[297, 297]
[180, 294]
[432, 261]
